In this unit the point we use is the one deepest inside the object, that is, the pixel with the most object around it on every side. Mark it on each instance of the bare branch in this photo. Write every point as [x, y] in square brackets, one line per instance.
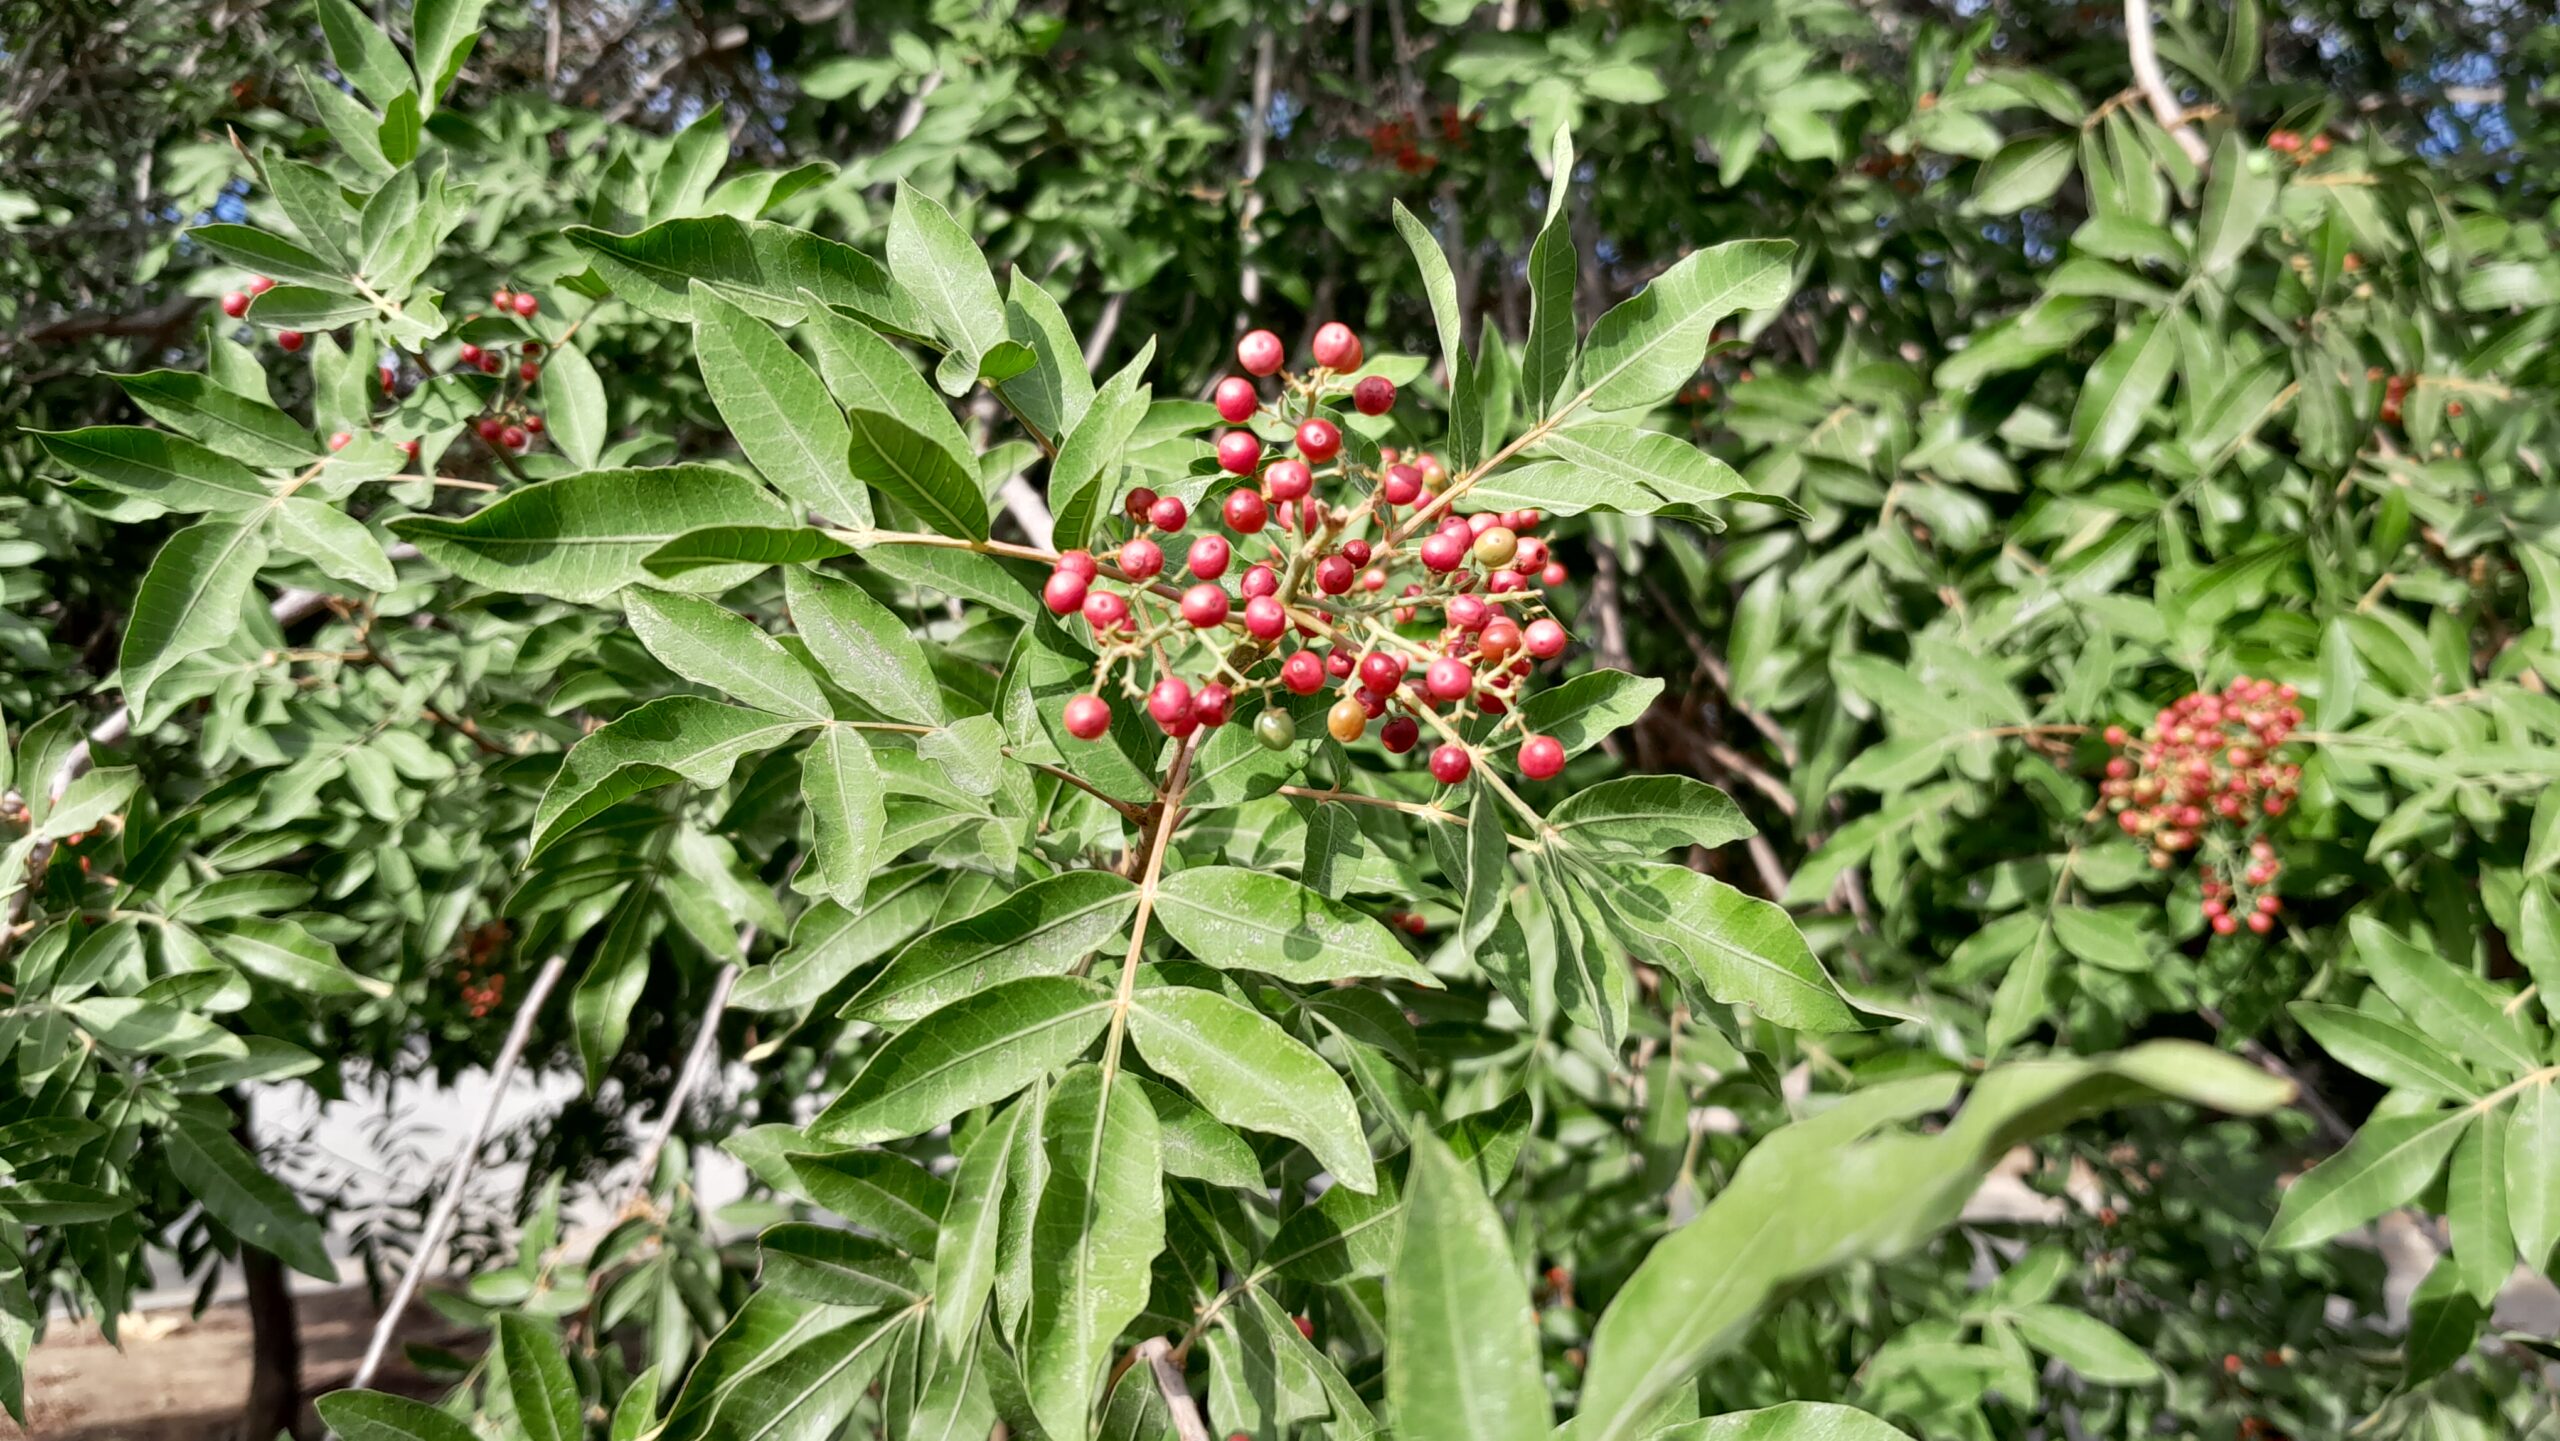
[2155, 84]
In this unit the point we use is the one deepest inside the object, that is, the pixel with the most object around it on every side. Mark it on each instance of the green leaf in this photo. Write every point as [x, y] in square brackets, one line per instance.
[1045, 928]
[1099, 1227]
[538, 1380]
[1649, 345]
[1082, 478]
[1441, 286]
[1463, 1359]
[600, 1008]
[189, 602]
[1247, 1071]
[1546, 355]
[2484, 1248]
[840, 782]
[867, 373]
[1197, 1144]
[935, 261]
[1649, 815]
[583, 537]
[757, 546]
[2098, 1351]
[777, 408]
[167, 470]
[1054, 394]
[2533, 1173]
[1248, 920]
[973, 1052]
[334, 541]
[308, 307]
[573, 405]
[2027, 171]
[285, 953]
[761, 267]
[2122, 387]
[1591, 705]
[1794, 1421]
[440, 35]
[906, 465]
[1739, 949]
[249, 1203]
[964, 1248]
[2464, 1014]
[1619, 468]
[879, 1190]
[864, 646]
[362, 52]
[380, 1416]
[679, 738]
[245, 428]
[830, 941]
[270, 255]
[2237, 200]
[2387, 1164]
[838, 1268]
[2385, 1050]
[806, 1394]
[719, 648]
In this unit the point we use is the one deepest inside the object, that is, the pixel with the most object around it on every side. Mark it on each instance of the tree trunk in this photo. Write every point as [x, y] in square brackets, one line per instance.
[275, 1334]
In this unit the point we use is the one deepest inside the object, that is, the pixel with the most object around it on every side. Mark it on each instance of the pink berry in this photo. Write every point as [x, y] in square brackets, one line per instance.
[1504, 582]
[1544, 639]
[1214, 704]
[1265, 617]
[1302, 673]
[1443, 553]
[1237, 400]
[1340, 663]
[524, 304]
[289, 341]
[341, 440]
[513, 437]
[1334, 574]
[1399, 735]
[528, 372]
[261, 284]
[234, 304]
[1381, 672]
[1335, 347]
[1374, 395]
[1106, 610]
[502, 299]
[1403, 485]
[1087, 717]
[1245, 511]
[1205, 605]
[1467, 613]
[1289, 480]
[1448, 679]
[1260, 353]
[1141, 559]
[1319, 440]
[1170, 701]
[409, 448]
[1169, 514]
[1450, 764]
[1261, 580]
[1552, 575]
[1208, 558]
[1079, 562]
[469, 355]
[1065, 592]
[1541, 758]
[1239, 451]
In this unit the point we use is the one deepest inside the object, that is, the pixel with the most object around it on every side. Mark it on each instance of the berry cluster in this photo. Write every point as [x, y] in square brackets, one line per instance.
[1398, 138]
[2302, 148]
[510, 426]
[483, 998]
[2203, 778]
[1318, 570]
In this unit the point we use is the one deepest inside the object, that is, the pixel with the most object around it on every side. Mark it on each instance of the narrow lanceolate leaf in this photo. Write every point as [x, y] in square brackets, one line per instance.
[1082, 478]
[1462, 1342]
[583, 537]
[864, 646]
[243, 427]
[1546, 357]
[679, 738]
[1249, 1072]
[936, 262]
[972, 1052]
[164, 469]
[2533, 1172]
[834, 1267]
[716, 647]
[1589, 706]
[2475, 1208]
[777, 409]
[2122, 387]
[1794, 1421]
[2084, 1343]
[830, 941]
[867, 373]
[381, 1416]
[905, 464]
[2237, 200]
[1055, 392]
[841, 784]
[2387, 1164]
[1099, 1226]
[1628, 469]
[1440, 285]
[1649, 345]
[2385, 1050]
[751, 545]
[1484, 877]
[189, 602]
[767, 269]
[249, 1203]
[2464, 1014]
[269, 255]
[538, 1380]
[808, 1393]
[333, 540]
[1045, 928]
[880, 1191]
[1649, 815]
[1740, 949]
[1253, 921]
[964, 1249]
[285, 953]
[574, 404]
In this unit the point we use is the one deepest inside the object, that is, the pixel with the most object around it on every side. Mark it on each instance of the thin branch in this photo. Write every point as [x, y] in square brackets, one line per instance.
[1257, 133]
[1158, 1354]
[1107, 325]
[449, 1201]
[2155, 84]
[696, 1062]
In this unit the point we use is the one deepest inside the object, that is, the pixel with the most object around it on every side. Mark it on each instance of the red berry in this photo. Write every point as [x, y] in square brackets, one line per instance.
[1382, 672]
[1374, 395]
[1553, 575]
[1260, 353]
[1319, 440]
[1444, 552]
[1079, 562]
[528, 372]
[1335, 573]
[1169, 513]
[1531, 553]
[234, 304]
[1467, 613]
[1399, 735]
[1237, 400]
[1208, 558]
[1170, 701]
[1141, 558]
[388, 377]
[1541, 757]
[1289, 480]
[261, 284]
[1403, 485]
[1239, 451]
[409, 448]
[502, 299]
[1302, 673]
[1335, 347]
[513, 437]
[533, 423]
[1205, 605]
[2260, 922]
[1261, 580]
[491, 363]
[525, 304]
[1137, 503]
[469, 355]
[1504, 582]
[1214, 704]
[1339, 663]
[1265, 617]
[341, 440]
[1501, 637]
[1448, 679]
[488, 428]
[1087, 717]
[1450, 764]
[1544, 638]
[1106, 610]
[1065, 592]
[1246, 512]
[289, 341]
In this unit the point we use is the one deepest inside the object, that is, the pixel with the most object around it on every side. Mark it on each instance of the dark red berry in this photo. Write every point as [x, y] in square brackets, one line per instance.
[1403, 485]
[489, 428]
[1289, 480]
[234, 304]
[1334, 574]
[289, 341]
[1319, 440]
[1450, 764]
[1374, 395]
[513, 437]
[1137, 503]
[1541, 757]
[1237, 400]
[1399, 735]
[1381, 672]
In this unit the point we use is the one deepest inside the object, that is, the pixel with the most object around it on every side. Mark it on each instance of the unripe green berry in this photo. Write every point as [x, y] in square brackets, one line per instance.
[1276, 729]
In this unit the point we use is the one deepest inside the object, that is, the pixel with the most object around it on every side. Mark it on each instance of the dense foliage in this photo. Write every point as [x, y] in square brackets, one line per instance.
[1142, 610]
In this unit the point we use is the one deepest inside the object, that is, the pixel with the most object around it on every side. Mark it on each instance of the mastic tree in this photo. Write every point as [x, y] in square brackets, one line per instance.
[1145, 645]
